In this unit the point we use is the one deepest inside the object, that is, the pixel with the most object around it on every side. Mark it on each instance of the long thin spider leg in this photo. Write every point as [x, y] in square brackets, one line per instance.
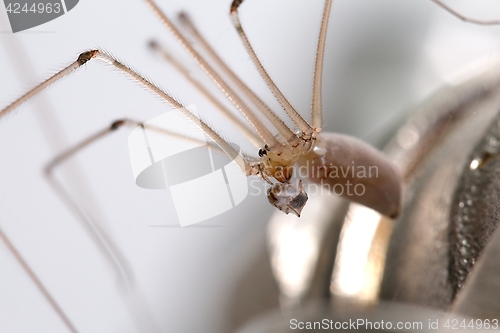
[74, 206]
[37, 282]
[109, 251]
[316, 107]
[68, 153]
[56, 77]
[256, 141]
[265, 134]
[105, 245]
[242, 163]
[145, 319]
[290, 110]
[188, 24]
[465, 18]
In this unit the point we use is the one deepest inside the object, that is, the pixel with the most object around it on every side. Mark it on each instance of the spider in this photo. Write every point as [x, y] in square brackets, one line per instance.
[80, 85]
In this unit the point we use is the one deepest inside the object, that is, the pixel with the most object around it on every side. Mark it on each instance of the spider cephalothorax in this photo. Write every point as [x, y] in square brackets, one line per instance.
[277, 164]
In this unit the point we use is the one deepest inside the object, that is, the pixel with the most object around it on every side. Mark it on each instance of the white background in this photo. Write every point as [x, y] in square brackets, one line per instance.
[382, 58]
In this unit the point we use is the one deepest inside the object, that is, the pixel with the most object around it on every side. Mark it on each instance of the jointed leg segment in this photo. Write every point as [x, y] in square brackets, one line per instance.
[243, 128]
[301, 123]
[282, 128]
[97, 54]
[70, 152]
[316, 107]
[264, 133]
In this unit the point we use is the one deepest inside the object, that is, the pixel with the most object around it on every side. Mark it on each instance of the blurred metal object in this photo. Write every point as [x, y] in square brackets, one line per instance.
[475, 214]
[479, 296]
[419, 268]
[361, 255]
[302, 250]
[448, 154]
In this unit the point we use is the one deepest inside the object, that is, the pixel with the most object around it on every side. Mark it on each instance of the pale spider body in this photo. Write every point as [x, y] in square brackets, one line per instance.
[284, 149]
[49, 52]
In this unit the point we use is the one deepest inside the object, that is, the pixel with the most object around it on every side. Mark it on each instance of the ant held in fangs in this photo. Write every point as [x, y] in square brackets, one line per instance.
[381, 58]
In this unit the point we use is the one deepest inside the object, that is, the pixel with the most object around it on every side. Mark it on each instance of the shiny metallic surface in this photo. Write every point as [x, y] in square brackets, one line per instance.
[407, 259]
[448, 155]
[479, 296]
[361, 255]
[419, 269]
[475, 207]
[475, 219]
[302, 250]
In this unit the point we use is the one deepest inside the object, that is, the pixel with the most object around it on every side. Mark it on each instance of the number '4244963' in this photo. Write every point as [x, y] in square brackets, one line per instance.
[17, 8]
[465, 324]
